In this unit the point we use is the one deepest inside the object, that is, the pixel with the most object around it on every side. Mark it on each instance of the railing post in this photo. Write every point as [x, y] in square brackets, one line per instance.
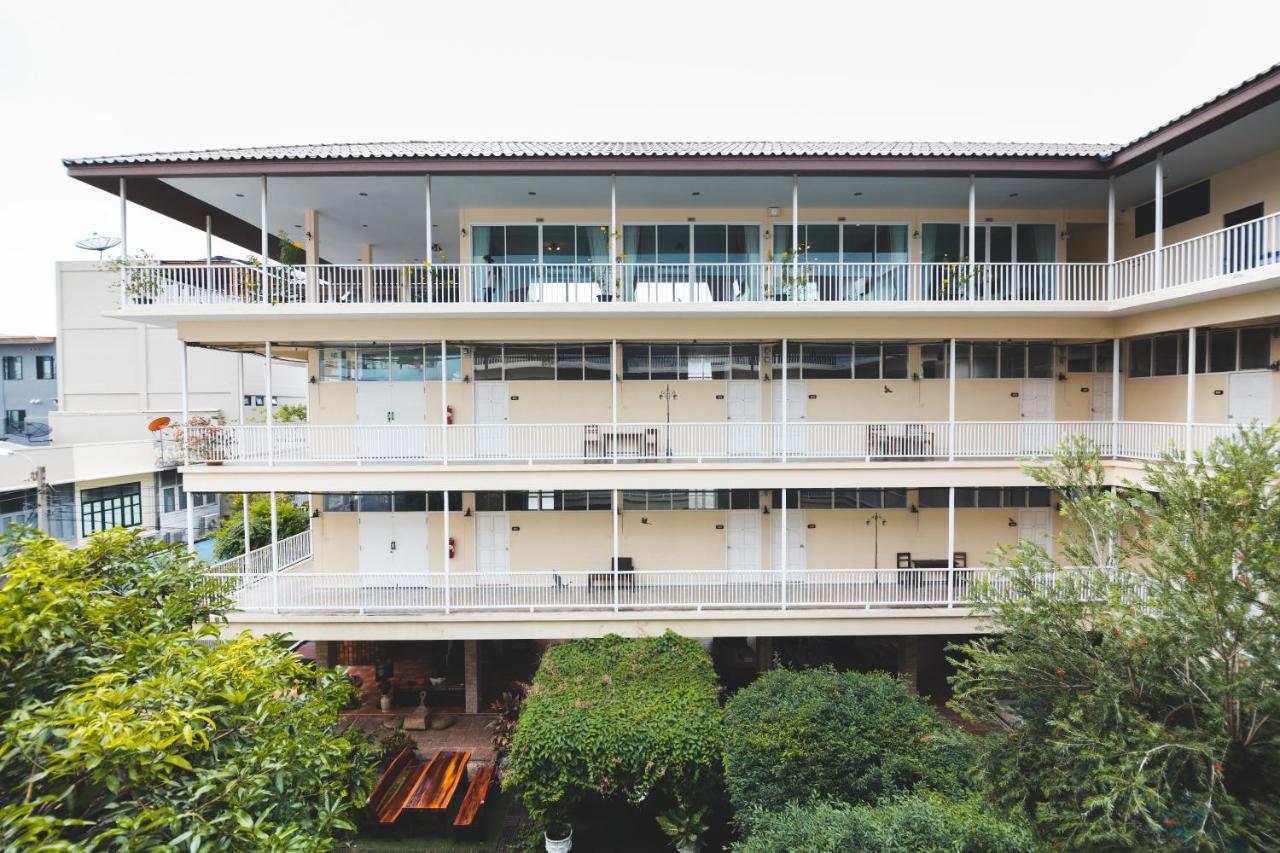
[1191, 388]
[783, 548]
[613, 399]
[275, 557]
[1111, 238]
[445, 508]
[951, 546]
[973, 232]
[785, 397]
[266, 243]
[951, 400]
[444, 402]
[1115, 397]
[617, 511]
[1158, 258]
[244, 522]
[614, 284]
[271, 458]
[124, 243]
[186, 421]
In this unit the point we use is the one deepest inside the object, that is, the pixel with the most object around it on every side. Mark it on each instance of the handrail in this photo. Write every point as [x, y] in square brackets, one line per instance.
[289, 552]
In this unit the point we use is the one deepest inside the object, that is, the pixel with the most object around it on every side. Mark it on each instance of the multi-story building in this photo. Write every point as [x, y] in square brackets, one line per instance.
[735, 389]
[28, 387]
[108, 379]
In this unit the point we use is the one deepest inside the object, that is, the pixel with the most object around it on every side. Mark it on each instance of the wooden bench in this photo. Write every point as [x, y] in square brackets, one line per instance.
[388, 797]
[475, 796]
[437, 784]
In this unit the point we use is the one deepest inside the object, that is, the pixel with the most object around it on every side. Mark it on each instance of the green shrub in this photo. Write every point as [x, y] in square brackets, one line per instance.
[926, 822]
[633, 719]
[228, 537]
[796, 736]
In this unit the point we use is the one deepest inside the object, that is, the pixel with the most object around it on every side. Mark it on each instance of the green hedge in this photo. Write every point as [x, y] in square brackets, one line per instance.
[927, 822]
[635, 719]
[797, 736]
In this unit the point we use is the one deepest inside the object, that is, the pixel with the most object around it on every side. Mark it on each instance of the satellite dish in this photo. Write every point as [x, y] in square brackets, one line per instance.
[159, 424]
[98, 243]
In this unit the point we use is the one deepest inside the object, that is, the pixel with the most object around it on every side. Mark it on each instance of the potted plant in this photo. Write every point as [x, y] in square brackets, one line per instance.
[685, 826]
[559, 837]
[384, 696]
[203, 439]
[138, 276]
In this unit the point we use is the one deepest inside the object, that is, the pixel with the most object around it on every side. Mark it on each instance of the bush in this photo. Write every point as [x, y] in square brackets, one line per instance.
[927, 822]
[633, 719]
[228, 537]
[796, 736]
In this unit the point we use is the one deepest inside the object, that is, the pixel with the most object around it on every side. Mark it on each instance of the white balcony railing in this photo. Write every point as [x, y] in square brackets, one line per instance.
[1240, 248]
[289, 552]
[639, 590]
[307, 444]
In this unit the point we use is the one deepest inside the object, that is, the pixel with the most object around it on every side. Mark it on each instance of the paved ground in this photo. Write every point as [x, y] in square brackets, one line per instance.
[469, 732]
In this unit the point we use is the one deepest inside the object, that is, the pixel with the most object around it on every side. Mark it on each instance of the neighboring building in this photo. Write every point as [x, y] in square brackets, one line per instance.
[110, 379]
[735, 389]
[28, 387]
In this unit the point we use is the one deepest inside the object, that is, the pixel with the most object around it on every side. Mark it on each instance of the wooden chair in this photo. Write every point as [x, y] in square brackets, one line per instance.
[477, 791]
[388, 797]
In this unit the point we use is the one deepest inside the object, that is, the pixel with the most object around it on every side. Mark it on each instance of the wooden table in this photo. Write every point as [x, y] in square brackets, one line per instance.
[439, 782]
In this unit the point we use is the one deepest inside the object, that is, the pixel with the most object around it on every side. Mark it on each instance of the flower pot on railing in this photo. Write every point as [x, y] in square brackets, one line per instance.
[202, 439]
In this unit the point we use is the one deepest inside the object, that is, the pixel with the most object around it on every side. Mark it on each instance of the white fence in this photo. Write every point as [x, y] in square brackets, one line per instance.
[1237, 249]
[647, 590]
[295, 444]
[289, 552]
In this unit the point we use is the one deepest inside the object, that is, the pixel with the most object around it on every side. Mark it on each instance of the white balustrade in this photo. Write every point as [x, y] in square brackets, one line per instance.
[1229, 251]
[392, 444]
[289, 551]
[640, 590]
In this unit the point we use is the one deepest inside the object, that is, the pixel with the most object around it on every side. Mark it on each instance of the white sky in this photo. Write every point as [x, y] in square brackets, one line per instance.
[80, 78]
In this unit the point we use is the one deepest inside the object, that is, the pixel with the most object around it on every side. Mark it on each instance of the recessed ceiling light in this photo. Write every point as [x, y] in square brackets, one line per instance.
[239, 195]
[297, 226]
[859, 192]
[531, 192]
[364, 194]
[364, 226]
[695, 192]
[1013, 195]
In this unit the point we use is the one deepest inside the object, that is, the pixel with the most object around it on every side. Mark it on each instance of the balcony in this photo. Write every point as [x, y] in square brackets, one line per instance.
[308, 445]
[1241, 255]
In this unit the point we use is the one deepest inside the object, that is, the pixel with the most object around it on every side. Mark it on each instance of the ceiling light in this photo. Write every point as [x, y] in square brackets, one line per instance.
[364, 194]
[239, 195]
[364, 226]
[695, 192]
[1013, 195]
[859, 192]
[531, 192]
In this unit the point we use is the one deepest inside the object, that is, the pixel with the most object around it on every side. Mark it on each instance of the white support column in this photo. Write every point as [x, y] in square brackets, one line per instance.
[951, 400]
[616, 508]
[1115, 396]
[782, 543]
[244, 522]
[785, 395]
[951, 546]
[613, 237]
[973, 231]
[271, 458]
[444, 401]
[1111, 237]
[795, 229]
[124, 238]
[444, 505]
[265, 248]
[208, 240]
[186, 425]
[613, 399]
[1159, 232]
[240, 386]
[429, 256]
[311, 242]
[1191, 388]
[275, 556]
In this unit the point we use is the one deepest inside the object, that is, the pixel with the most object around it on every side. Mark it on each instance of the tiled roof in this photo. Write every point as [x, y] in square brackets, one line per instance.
[1215, 99]
[456, 150]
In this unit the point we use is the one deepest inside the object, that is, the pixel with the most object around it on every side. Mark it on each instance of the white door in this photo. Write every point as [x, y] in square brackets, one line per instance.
[1249, 398]
[408, 403]
[373, 409]
[375, 533]
[797, 402]
[743, 414]
[492, 411]
[742, 544]
[1036, 402]
[409, 549]
[1036, 525]
[493, 547]
[1100, 399]
[795, 542]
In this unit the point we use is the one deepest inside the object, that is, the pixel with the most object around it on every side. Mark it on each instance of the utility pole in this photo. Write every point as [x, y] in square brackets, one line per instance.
[42, 499]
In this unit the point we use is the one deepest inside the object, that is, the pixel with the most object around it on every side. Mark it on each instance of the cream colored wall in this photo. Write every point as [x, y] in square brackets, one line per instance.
[573, 541]
[1258, 180]
[1164, 398]
[336, 540]
[675, 539]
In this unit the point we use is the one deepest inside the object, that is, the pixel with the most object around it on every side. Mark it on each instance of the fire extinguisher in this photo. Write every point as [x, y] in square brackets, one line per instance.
[453, 547]
[448, 415]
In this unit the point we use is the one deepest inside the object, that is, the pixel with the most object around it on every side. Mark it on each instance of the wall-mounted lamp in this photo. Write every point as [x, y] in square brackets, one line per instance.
[644, 519]
[915, 235]
[888, 390]
[765, 510]
[1012, 523]
[466, 377]
[773, 211]
[1062, 377]
[464, 232]
[913, 509]
[315, 513]
[312, 380]
[466, 513]
[1063, 235]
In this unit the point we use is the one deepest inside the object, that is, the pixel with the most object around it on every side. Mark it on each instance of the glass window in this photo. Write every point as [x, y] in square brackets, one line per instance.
[709, 245]
[932, 498]
[744, 499]
[1102, 356]
[964, 360]
[596, 362]
[821, 243]
[826, 361]
[558, 244]
[894, 498]
[488, 363]
[1255, 348]
[15, 421]
[489, 502]
[453, 360]
[1013, 361]
[895, 361]
[568, 361]
[844, 498]
[1037, 496]
[866, 361]
[1040, 361]
[44, 367]
[1140, 357]
[793, 360]
[634, 499]
[337, 365]
[870, 498]
[110, 506]
[522, 245]
[988, 497]
[375, 501]
[409, 501]
[1222, 350]
[1015, 496]
[815, 498]
[529, 363]
[703, 499]
[635, 361]
[1080, 358]
[340, 502]
[435, 501]
[374, 365]
[966, 498]
[744, 360]
[407, 364]
[940, 243]
[1165, 359]
[984, 361]
[13, 367]
[673, 244]
[933, 361]
[704, 361]
[664, 361]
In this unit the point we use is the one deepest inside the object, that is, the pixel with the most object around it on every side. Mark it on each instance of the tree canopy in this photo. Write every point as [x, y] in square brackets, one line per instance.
[126, 725]
[634, 719]
[228, 537]
[1136, 706]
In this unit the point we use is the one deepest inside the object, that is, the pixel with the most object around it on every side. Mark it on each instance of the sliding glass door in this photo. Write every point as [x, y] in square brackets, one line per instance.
[692, 262]
[538, 263]
[1013, 262]
[844, 261]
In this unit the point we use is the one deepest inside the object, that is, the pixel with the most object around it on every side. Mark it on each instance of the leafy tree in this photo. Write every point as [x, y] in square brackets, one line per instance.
[228, 537]
[123, 726]
[798, 736]
[632, 719]
[1136, 705]
[926, 822]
